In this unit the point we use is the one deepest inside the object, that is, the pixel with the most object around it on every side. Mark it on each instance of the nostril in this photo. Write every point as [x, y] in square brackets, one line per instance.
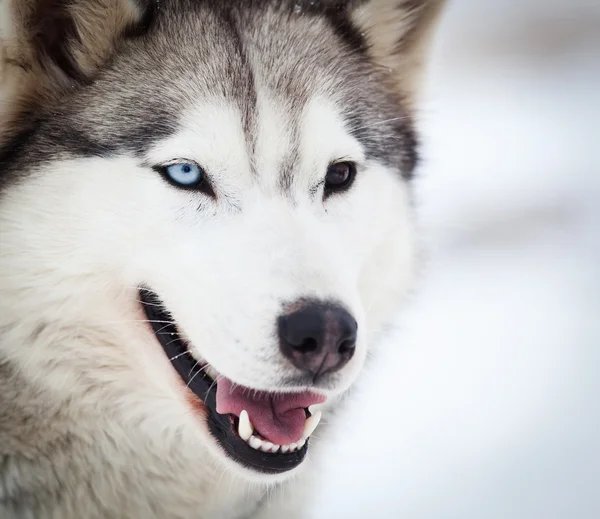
[308, 345]
[346, 346]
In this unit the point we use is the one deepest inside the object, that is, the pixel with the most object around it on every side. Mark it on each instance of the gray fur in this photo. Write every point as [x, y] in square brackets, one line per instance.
[78, 437]
[136, 98]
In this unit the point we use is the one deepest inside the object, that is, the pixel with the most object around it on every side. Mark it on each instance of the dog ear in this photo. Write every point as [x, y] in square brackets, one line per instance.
[73, 38]
[49, 46]
[397, 34]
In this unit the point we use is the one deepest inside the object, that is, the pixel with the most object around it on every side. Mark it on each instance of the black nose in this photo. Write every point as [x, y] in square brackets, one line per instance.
[318, 338]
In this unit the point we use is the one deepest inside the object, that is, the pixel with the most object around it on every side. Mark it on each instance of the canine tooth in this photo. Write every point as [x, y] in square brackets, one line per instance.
[255, 442]
[315, 408]
[300, 444]
[292, 447]
[311, 424]
[275, 448]
[285, 448]
[245, 428]
[266, 446]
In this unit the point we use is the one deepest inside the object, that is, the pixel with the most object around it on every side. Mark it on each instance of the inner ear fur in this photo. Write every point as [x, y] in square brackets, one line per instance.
[49, 46]
[398, 33]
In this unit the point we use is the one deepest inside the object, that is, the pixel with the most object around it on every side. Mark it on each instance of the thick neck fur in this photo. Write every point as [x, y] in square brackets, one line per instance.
[72, 454]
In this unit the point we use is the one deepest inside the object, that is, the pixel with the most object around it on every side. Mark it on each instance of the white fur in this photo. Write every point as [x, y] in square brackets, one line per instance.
[80, 235]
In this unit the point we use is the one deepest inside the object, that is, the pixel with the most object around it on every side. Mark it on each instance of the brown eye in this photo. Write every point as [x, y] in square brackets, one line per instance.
[339, 176]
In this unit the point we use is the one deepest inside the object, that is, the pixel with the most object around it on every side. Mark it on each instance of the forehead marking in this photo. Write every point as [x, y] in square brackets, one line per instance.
[243, 81]
[277, 140]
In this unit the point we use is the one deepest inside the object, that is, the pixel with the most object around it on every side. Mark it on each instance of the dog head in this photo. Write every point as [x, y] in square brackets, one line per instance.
[218, 185]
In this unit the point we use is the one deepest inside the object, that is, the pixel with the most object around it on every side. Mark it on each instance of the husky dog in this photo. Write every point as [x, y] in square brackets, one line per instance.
[204, 222]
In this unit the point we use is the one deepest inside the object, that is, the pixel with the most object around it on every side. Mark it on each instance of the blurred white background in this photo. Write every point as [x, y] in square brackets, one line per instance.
[485, 402]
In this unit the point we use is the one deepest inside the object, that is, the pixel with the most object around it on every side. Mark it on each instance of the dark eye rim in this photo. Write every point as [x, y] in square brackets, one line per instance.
[331, 189]
[203, 185]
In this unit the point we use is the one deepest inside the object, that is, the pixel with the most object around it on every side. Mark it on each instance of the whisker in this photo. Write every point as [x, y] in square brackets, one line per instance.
[179, 354]
[264, 493]
[212, 385]
[193, 377]
[192, 369]
[176, 339]
[147, 303]
[221, 478]
[169, 323]
[122, 321]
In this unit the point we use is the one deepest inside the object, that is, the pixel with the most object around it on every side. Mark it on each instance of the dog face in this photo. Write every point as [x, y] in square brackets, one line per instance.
[224, 188]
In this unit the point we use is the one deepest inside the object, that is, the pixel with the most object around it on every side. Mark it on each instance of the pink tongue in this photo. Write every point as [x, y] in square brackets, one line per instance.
[277, 417]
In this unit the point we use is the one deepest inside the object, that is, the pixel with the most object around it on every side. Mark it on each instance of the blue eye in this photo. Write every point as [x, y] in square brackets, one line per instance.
[184, 174]
[188, 176]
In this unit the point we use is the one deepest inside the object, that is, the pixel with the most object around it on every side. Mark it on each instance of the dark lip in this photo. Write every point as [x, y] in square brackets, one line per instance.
[222, 427]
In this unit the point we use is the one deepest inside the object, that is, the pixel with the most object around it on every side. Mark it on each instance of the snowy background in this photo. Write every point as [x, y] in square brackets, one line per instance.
[486, 401]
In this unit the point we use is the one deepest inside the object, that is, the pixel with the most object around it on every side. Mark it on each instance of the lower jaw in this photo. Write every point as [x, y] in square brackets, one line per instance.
[222, 427]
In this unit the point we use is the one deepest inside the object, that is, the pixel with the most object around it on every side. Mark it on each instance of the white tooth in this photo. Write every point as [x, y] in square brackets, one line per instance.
[275, 448]
[245, 428]
[285, 448]
[266, 446]
[255, 442]
[313, 409]
[311, 424]
[300, 444]
[292, 447]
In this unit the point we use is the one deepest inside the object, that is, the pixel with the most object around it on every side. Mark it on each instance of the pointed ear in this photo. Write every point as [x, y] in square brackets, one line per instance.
[48, 46]
[397, 34]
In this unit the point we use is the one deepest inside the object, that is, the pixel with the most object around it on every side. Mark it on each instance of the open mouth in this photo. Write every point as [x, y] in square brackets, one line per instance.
[266, 432]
